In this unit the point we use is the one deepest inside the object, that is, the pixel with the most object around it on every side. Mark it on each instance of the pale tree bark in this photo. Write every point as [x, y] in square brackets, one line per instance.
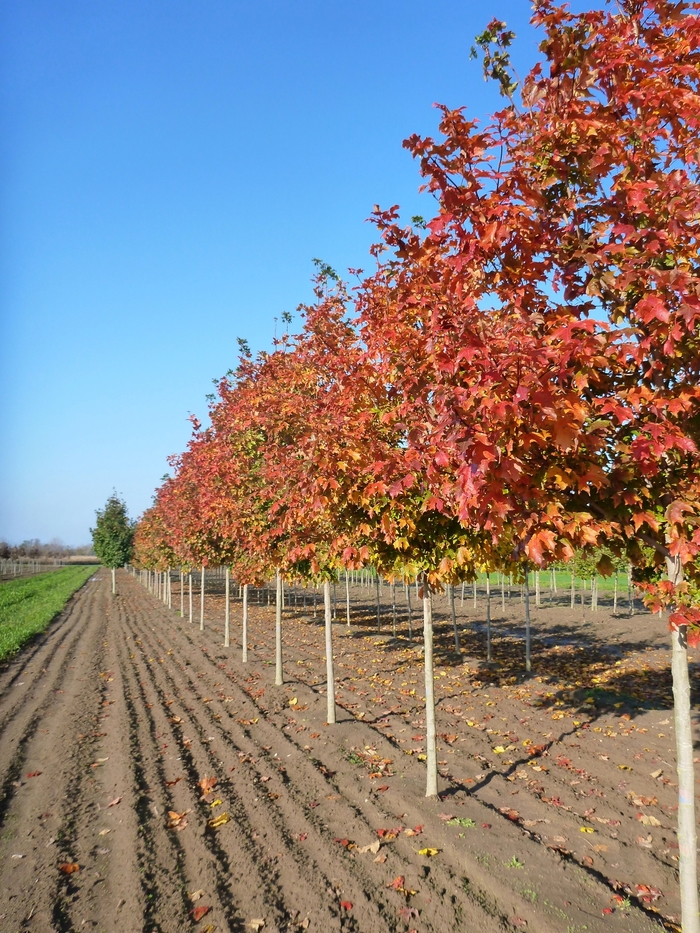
[227, 608]
[528, 662]
[201, 602]
[244, 634]
[114, 581]
[330, 675]
[189, 579]
[182, 594]
[347, 598]
[279, 675]
[687, 833]
[454, 618]
[410, 612]
[379, 605]
[170, 591]
[431, 787]
[488, 618]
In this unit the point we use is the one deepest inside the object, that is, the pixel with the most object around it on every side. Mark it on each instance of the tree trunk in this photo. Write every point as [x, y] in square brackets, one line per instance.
[454, 618]
[227, 608]
[330, 676]
[393, 608]
[687, 834]
[410, 613]
[379, 605]
[182, 594]
[244, 634]
[189, 580]
[114, 581]
[528, 665]
[201, 602]
[488, 618]
[170, 592]
[431, 787]
[347, 598]
[573, 591]
[279, 677]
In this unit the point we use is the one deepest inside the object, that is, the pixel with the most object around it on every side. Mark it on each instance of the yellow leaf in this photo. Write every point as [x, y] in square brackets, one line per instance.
[429, 852]
[586, 829]
[293, 701]
[219, 820]
[499, 749]
[216, 803]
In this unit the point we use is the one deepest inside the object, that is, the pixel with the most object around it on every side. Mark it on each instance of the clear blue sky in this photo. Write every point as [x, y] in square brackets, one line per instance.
[168, 170]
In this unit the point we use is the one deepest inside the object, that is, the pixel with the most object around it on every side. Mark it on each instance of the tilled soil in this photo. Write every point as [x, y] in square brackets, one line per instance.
[556, 810]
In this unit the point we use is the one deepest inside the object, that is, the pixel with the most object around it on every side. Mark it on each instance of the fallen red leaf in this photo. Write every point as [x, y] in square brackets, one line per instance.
[198, 912]
[32, 774]
[68, 868]
[346, 905]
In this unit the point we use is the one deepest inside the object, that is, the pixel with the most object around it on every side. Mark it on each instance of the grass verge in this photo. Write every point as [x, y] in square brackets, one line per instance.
[27, 606]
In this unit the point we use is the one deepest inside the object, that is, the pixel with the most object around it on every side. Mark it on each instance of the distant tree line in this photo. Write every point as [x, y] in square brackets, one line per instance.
[35, 548]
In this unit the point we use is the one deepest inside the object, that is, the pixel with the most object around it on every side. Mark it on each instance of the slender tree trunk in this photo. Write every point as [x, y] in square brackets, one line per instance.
[393, 608]
[431, 787]
[528, 664]
[475, 594]
[182, 594]
[615, 596]
[573, 591]
[379, 605]
[454, 618]
[201, 602]
[488, 618]
[114, 581]
[189, 580]
[687, 833]
[330, 676]
[279, 676]
[537, 589]
[227, 608]
[170, 591]
[244, 635]
[347, 598]
[410, 613]
[503, 593]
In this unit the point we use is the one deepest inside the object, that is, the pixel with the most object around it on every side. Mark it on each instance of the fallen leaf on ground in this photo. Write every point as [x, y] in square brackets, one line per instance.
[172, 783]
[196, 895]
[114, 802]
[346, 905]
[198, 912]
[206, 785]
[103, 832]
[256, 924]
[68, 868]
[372, 847]
[219, 820]
[32, 774]
[429, 852]
[177, 821]
[381, 858]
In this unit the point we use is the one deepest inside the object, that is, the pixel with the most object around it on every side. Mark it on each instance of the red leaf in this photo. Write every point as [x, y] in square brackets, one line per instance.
[198, 912]
[346, 905]
[68, 868]
[32, 774]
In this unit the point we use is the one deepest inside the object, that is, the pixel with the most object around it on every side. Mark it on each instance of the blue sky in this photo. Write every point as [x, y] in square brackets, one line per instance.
[168, 170]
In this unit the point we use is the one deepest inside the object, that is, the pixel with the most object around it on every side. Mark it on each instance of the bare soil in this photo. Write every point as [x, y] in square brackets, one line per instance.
[557, 795]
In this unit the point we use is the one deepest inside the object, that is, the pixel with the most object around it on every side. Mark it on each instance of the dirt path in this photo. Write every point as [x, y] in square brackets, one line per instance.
[111, 721]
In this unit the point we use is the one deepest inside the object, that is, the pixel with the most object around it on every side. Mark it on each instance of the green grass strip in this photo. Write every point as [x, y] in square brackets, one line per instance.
[27, 606]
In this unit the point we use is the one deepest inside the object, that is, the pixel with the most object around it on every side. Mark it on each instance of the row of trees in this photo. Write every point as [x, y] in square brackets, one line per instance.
[517, 379]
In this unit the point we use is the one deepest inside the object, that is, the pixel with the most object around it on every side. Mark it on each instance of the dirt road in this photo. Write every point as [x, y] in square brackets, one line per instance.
[112, 723]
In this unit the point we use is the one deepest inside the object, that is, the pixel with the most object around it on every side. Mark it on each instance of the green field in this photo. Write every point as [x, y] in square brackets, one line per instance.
[27, 606]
